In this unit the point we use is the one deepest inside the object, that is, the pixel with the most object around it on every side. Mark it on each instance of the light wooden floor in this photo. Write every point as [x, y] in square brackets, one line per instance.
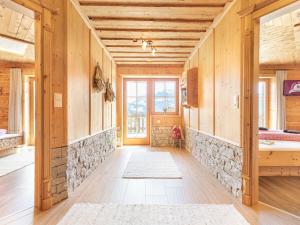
[281, 192]
[106, 185]
[17, 191]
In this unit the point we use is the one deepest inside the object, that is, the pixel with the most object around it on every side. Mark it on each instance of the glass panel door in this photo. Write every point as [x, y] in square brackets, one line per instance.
[136, 112]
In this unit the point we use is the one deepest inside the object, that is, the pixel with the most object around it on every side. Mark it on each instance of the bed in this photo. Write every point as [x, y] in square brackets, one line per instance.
[8, 142]
[279, 153]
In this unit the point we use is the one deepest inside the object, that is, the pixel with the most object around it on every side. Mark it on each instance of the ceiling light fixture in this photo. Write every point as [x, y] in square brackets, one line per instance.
[144, 45]
[148, 43]
[153, 51]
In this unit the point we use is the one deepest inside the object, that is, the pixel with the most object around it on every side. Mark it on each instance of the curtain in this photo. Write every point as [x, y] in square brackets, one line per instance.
[15, 101]
[281, 75]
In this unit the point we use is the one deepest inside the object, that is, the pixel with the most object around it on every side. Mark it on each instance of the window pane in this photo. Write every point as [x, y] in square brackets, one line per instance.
[142, 89]
[131, 106]
[171, 88]
[262, 104]
[131, 88]
[159, 104]
[171, 104]
[141, 107]
[159, 88]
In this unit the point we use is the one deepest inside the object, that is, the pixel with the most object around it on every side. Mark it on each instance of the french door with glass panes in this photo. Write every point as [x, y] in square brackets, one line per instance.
[136, 112]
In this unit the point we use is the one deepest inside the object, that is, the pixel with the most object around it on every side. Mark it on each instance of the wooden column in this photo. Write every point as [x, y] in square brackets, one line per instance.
[47, 100]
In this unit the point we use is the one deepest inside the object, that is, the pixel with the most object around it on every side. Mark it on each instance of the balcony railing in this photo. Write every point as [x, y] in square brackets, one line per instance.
[137, 127]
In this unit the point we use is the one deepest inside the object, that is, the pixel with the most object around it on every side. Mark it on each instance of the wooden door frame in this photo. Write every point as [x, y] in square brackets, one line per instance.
[43, 72]
[250, 17]
[145, 141]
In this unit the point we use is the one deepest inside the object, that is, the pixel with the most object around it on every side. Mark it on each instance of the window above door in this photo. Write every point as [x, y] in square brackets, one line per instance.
[165, 96]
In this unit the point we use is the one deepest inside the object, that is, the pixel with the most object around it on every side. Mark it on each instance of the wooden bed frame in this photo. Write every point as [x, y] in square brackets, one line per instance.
[279, 159]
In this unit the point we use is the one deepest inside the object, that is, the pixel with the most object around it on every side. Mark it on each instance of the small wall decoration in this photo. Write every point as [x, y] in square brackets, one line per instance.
[109, 94]
[291, 88]
[183, 96]
[98, 82]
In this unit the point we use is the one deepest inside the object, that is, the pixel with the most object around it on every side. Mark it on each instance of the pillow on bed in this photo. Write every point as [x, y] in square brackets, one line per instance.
[292, 131]
[263, 128]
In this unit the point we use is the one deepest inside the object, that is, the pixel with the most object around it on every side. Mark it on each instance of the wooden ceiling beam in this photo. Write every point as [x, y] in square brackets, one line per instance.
[144, 19]
[151, 4]
[151, 30]
[146, 61]
[156, 46]
[153, 39]
[135, 52]
[16, 39]
[149, 57]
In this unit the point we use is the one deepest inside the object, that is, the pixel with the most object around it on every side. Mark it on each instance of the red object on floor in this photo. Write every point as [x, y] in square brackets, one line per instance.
[176, 133]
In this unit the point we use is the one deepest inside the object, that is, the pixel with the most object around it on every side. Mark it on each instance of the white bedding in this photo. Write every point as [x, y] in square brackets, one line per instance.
[279, 146]
[5, 136]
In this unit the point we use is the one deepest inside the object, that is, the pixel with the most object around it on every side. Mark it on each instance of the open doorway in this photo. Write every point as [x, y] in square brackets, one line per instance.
[17, 113]
[279, 108]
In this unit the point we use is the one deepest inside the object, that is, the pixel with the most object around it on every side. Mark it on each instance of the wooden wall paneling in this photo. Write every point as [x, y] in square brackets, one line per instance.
[31, 140]
[96, 97]
[186, 111]
[106, 105]
[4, 97]
[206, 79]
[59, 127]
[114, 104]
[227, 75]
[292, 104]
[194, 112]
[119, 103]
[78, 75]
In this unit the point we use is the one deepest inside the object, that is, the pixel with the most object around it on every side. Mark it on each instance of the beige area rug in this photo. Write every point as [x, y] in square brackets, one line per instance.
[11, 163]
[157, 165]
[113, 214]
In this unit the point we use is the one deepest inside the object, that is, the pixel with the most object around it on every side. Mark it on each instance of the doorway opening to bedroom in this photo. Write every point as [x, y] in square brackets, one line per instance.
[17, 108]
[279, 108]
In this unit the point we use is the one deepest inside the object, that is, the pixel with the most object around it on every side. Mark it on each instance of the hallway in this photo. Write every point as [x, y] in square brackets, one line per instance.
[106, 185]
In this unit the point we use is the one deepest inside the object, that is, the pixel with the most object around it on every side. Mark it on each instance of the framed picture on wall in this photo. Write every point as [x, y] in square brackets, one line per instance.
[291, 88]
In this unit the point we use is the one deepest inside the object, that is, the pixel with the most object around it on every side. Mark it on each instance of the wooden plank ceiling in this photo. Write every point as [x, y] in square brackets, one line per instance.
[280, 37]
[173, 26]
[17, 23]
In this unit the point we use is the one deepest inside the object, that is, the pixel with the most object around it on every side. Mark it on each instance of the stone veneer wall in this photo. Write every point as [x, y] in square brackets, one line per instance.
[223, 159]
[161, 136]
[71, 165]
[59, 187]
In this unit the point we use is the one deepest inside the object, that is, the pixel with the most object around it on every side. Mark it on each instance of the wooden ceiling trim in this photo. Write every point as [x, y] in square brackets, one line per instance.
[149, 57]
[152, 4]
[150, 63]
[151, 30]
[134, 42]
[175, 20]
[129, 55]
[153, 39]
[16, 39]
[161, 52]
[156, 46]
[158, 49]
[148, 35]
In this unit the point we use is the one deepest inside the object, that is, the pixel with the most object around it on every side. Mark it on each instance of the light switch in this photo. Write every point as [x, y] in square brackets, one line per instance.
[236, 101]
[57, 100]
